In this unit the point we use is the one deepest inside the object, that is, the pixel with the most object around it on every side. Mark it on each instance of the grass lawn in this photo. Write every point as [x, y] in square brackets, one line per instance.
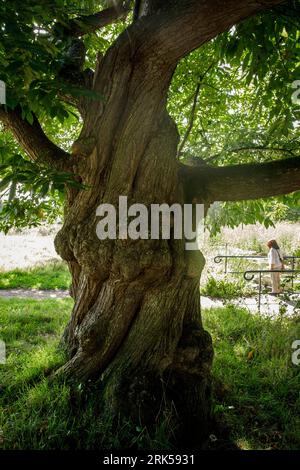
[256, 387]
[53, 275]
[36, 413]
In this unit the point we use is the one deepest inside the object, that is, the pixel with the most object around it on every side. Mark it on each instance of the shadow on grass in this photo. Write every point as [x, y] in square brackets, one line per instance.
[256, 385]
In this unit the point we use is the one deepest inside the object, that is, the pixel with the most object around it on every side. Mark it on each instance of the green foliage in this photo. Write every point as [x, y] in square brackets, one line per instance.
[34, 177]
[245, 212]
[38, 192]
[50, 276]
[34, 51]
[28, 211]
[256, 391]
[267, 212]
[223, 289]
[243, 113]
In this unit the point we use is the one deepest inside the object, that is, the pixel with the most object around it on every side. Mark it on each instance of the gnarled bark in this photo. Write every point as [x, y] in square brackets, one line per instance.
[136, 320]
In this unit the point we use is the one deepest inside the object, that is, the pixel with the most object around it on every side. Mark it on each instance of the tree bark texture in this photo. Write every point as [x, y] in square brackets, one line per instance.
[136, 319]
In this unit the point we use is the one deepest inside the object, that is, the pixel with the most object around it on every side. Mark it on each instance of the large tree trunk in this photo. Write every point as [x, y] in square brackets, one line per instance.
[136, 320]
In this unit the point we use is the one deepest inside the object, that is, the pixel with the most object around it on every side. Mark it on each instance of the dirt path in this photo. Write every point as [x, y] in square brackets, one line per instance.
[270, 306]
[34, 294]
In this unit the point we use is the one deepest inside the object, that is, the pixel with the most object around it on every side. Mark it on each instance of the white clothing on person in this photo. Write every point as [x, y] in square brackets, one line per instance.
[275, 258]
[275, 262]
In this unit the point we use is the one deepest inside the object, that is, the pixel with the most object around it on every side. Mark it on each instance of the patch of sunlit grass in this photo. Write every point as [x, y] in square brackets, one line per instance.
[54, 275]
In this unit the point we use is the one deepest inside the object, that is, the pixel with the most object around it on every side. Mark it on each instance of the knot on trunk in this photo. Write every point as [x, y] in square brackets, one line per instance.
[194, 353]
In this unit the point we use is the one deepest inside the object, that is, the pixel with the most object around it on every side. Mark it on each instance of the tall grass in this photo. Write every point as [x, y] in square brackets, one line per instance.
[254, 237]
[224, 289]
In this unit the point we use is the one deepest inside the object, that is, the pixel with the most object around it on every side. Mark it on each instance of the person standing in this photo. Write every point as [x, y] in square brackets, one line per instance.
[275, 260]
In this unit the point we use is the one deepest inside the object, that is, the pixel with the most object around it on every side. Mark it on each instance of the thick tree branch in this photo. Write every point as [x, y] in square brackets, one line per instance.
[182, 26]
[34, 141]
[88, 24]
[241, 182]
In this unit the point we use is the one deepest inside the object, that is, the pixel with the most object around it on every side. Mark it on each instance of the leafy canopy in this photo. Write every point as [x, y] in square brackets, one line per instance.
[231, 100]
